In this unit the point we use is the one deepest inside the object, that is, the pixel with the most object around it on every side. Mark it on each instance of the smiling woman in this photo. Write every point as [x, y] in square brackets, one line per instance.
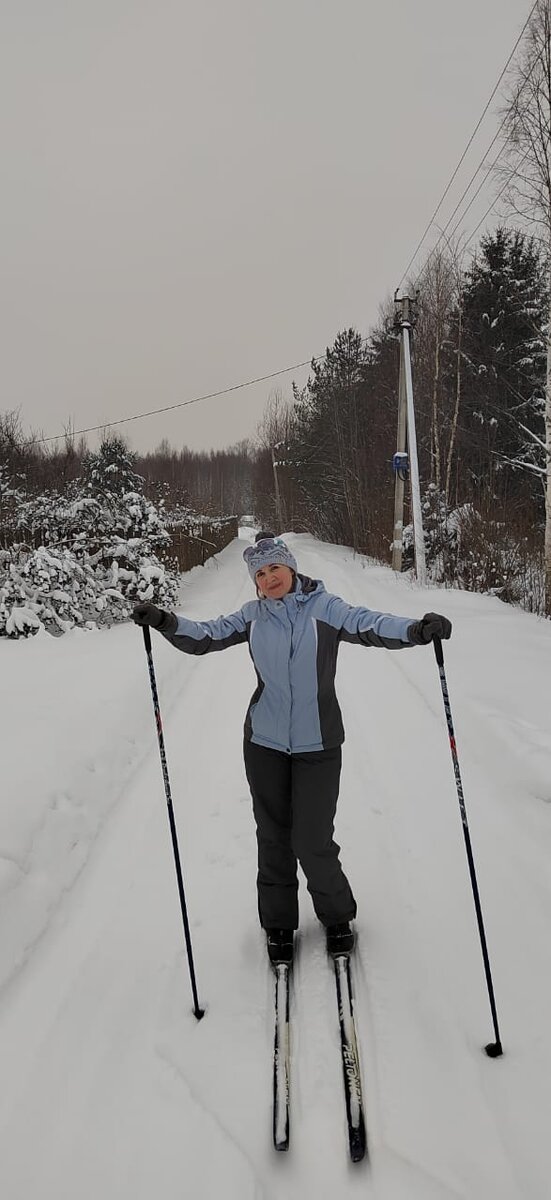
[293, 728]
[275, 581]
[271, 565]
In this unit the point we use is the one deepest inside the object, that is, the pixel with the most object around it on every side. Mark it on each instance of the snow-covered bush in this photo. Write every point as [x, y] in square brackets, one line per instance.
[56, 588]
[480, 555]
[44, 587]
[440, 527]
[85, 557]
[492, 559]
[11, 497]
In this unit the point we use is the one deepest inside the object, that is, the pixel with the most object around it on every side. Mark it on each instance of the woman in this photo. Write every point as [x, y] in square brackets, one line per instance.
[293, 728]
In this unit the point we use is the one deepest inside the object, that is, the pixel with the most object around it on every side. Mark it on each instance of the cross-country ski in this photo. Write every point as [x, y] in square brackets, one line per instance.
[355, 1118]
[282, 1066]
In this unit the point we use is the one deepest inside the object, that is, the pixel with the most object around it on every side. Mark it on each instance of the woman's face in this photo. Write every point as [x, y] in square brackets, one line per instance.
[274, 581]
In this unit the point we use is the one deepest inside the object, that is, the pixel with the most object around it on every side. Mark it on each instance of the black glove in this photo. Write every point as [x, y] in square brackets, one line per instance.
[431, 626]
[157, 618]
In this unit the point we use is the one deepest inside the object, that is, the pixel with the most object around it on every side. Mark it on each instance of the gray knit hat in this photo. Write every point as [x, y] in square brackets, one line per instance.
[267, 551]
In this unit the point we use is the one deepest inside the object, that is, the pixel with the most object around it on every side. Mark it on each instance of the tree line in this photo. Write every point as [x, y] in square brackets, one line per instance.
[479, 368]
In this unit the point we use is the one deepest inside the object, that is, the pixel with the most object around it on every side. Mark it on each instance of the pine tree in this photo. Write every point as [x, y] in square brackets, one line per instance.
[332, 441]
[111, 468]
[504, 314]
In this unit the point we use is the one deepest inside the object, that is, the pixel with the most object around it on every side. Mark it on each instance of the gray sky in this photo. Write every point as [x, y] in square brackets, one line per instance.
[198, 192]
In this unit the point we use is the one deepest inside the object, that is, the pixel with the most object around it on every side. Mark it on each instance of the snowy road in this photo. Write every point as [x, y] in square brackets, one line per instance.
[109, 1086]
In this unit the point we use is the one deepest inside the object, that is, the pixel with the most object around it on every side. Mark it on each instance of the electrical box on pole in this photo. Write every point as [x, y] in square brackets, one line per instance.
[405, 464]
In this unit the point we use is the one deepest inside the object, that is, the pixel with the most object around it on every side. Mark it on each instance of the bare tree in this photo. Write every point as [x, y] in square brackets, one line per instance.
[526, 168]
[439, 305]
[275, 492]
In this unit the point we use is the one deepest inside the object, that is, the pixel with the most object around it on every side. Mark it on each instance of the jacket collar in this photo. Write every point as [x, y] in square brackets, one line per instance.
[306, 587]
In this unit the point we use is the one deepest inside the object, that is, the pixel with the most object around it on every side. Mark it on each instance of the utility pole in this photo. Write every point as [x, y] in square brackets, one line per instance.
[277, 493]
[400, 469]
[406, 423]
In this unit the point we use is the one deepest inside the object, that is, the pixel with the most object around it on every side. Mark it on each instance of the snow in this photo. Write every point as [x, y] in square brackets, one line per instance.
[110, 1087]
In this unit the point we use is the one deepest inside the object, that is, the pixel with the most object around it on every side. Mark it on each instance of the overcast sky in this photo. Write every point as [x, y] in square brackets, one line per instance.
[198, 192]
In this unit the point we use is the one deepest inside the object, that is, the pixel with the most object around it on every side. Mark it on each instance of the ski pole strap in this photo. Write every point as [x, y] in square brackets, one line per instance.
[438, 651]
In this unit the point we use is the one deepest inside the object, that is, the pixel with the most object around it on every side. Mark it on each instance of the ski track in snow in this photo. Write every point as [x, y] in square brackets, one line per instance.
[110, 1085]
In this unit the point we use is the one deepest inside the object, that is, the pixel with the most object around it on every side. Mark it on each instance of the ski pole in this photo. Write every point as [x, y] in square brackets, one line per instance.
[198, 1012]
[493, 1049]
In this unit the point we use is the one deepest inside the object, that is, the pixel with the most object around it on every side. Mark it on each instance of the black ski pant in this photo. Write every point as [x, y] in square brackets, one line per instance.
[294, 803]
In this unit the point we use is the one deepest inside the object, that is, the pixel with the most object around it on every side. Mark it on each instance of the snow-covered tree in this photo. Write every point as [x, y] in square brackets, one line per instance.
[505, 311]
[526, 167]
[85, 556]
[110, 470]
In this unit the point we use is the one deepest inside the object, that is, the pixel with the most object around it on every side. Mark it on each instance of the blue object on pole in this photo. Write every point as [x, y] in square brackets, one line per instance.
[400, 464]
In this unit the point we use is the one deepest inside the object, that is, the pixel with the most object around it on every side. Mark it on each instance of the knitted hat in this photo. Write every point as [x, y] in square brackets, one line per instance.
[265, 552]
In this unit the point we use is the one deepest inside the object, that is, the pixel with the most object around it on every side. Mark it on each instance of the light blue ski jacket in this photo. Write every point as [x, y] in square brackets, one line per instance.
[294, 644]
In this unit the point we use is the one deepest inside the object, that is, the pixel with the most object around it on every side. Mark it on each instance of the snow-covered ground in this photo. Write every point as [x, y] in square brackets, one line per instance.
[110, 1088]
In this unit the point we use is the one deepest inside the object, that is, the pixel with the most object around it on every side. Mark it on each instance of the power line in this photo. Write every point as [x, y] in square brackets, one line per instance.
[491, 168]
[471, 201]
[443, 232]
[493, 204]
[469, 144]
[182, 403]
[473, 177]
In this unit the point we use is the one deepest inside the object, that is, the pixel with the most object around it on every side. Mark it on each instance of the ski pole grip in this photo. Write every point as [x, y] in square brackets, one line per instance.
[147, 638]
[438, 651]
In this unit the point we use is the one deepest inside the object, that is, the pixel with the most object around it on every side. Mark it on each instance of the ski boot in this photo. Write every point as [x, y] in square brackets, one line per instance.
[339, 939]
[279, 944]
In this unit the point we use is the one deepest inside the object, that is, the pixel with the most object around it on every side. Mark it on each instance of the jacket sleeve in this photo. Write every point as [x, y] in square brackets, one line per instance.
[366, 627]
[202, 637]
